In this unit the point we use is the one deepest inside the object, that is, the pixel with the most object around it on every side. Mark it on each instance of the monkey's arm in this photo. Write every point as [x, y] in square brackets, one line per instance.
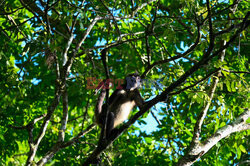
[138, 99]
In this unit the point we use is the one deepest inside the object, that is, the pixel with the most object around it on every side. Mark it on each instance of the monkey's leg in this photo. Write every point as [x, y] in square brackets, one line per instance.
[99, 106]
[110, 124]
[96, 161]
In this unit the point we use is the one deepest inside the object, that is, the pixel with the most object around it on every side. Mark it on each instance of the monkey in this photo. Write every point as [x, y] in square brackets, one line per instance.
[120, 104]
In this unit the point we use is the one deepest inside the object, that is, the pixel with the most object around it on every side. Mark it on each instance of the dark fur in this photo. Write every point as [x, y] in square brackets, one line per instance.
[121, 102]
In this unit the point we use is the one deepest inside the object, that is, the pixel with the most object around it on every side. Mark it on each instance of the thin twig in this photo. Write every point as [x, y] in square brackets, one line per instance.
[196, 83]
[141, 6]
[116, 25]
[231, 71]
[155, 117]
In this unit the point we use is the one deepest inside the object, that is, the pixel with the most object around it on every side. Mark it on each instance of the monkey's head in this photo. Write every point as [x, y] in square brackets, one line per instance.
[133, 81]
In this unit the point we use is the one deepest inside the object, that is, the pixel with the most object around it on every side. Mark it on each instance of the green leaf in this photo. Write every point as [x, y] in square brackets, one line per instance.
[248, 120]
[222, 124]
[148, 140]
[189, 132]
[238, 153]
[242, 148]
[228, 84]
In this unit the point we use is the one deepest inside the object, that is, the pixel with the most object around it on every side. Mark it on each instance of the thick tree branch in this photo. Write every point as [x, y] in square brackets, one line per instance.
[239, 124]
[69, 62]
[197, 128]
[64, 120]
[43, 129]
[57, 147]
[49, 155]
[210, 21]
[61, 85]
[65, 54]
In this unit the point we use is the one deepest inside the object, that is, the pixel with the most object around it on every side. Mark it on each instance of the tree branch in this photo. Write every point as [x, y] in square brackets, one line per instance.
[59, 86]
[64, 120]
[196, 83]
[122, 41]
[211, 33]
[69, 62]
[113, 18]
[148, 50]
[197, 149]
[8, 13]
[239, 124]
[43, 129]
[76, 138]
[60, 146]
[231, 71]
[196, 66]
[191, 48]
[16, 25]
[65, 57]
[141, 6]
[197, 128]
[155, 117]
[230, 29]
[87, 33]
[32, 7]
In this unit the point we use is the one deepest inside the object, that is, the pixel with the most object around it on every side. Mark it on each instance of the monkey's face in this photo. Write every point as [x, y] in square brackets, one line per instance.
[133, 81]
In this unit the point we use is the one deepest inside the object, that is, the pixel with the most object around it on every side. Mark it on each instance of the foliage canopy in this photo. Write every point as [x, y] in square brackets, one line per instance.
[193, 55]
